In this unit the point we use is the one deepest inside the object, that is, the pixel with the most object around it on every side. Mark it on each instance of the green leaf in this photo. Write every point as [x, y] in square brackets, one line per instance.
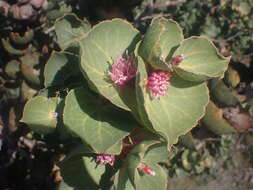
[176, 113]
[39, 113]
[22, 40]
[122, 180]
[133, 160]
[64, 186]
[10, 49]
[181, 172]
[29, 68]
[149, 151]
[69, 29]
[12, 69]
[201, 60]
[82, 173]
[143, 181]
[160, 41]
[185, 162]
[143, 146]
[188, 141]
[60, 66]
[106, 42]
[157, 153]
[137, 155]
[243, 7]
[97, 123]
[56, 11]
[78, 150]
[214, 121]
[232, 77]
[222, 94]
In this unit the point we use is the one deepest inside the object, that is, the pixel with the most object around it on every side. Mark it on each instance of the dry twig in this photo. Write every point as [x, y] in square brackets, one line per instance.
[168, 3]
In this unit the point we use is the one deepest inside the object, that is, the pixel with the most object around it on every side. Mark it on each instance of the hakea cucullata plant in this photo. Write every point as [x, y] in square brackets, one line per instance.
[155, 83]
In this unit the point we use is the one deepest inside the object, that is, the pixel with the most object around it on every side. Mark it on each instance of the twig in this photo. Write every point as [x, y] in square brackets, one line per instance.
[155, 15]
[148, 12]
[49, 30]
[168, 3]
[228, 39]
[145, 12]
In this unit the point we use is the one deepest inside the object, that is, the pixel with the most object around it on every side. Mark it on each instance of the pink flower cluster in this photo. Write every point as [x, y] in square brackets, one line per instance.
[158, 82]
[144, 168]
[106, 159]
[123, 70]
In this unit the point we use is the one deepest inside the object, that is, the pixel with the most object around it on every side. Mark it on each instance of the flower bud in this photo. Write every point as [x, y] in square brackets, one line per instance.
[144, 168]
[176, 60]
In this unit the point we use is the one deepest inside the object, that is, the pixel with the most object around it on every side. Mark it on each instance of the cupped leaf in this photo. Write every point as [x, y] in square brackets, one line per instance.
[138, 155]
[232, 77]
[64, 186]
[144, 181]
[69, 28]
[222, 94]
[122, 180]
[82, 173]
[188, 141]
[157, 153]
[160, 41]
[201, 60]
[149, 151]
[40, 114]
[22, 40]
[133, 160]
[60, 67]
[96, 122]
[27, 92]
[10, 49]
[104, 44]
[185, 160]
[214, 121]
[12, 68]
[30, 69]
[174, 114]
[53, 14]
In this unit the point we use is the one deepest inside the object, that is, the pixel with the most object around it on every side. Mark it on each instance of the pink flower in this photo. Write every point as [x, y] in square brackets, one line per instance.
[176, 60]
[123, 70]
[158, 83]
[106, 159]
[144, 168]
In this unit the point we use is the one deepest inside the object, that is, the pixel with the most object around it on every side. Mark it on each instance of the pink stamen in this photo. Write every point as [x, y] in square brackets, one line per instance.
[158, 82]
[123, 70]
[106, 159]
